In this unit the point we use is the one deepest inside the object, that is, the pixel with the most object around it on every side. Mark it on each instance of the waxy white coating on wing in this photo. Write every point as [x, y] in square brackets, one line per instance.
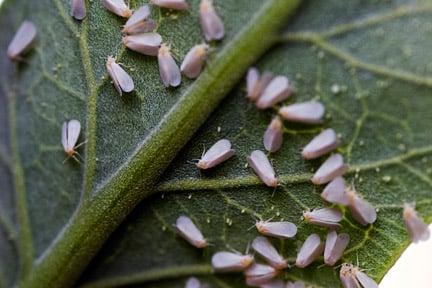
[231, 262]
[365, 280]
[334, 192]
[194, 61]
[22, 41]
[193, 282]
[145, 43]
[168, 69]
[265, 249]
[263, 168]
[296, 284]
[347, 277]
[417, 229]
[171, 4]
[360, 209]
[326, 217]
[321, 144]
[310, 112]
[218, 153]
[333, 167]
[258, 274]
[284, 230]
[273, 136]
[335, 245]
[139, 22]
[121, 79]
[276, 91]
[312, 248]
[187, 229]
[275, 283]
[117, 7]
[70, 133]
[256, 83]
[211, 23]
[78, 9]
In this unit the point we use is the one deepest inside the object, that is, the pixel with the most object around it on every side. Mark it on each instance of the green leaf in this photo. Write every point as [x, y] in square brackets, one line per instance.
[65, 211]
[377, 53]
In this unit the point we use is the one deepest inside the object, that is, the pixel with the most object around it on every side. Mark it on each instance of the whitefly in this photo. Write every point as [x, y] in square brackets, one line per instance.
[273, 136]
[333, 167]
[417, 229]
[334, 192]
[168, 69]
[231, 262]
[171, 4]
[71, 130]
[117, 7]
[193, 282]
[194, 61]
[263, 168]
[311, 112]
[265, 249]
[211, 24]
[218, 153]
[259, 274]
[352, 277]
[283, 230]
[144, 43]
[121, 79]
[326, 217]
[311, 249]
[23, 40]
[276, 91]
[360, 209]
[78, 9]
[323, 143]
[335, 246]
[139, 22]
[187, 229]
[256, 84]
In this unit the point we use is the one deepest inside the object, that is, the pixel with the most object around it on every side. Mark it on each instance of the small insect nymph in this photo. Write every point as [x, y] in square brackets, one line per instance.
[360, 209]
[22, 41]
[121, 79]
[218, 153]
[352, 277]
[168, 69]
[335, 245]
[258, 274]
[326, 217]
[334, 192]
[78, 9]
[273, 136]
[333, 167]
[321, 144]
[310, 112]
[117, 7]
[256, 83]
[211, 23]
[417, 229]
[193, 282]
[263, 168]
[312, 248]
[171, 4]
[139, 22]
[187, 229]
[194, 61]
[231, 262]
[70, 133]
[144, 43]
[276, 91]
[265, 249]
[283, 230]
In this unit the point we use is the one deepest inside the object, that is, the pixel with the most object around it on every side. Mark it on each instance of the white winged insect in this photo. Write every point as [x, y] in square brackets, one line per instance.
[335, 245]
[117, 7]
[144, 43]
[321, 144]
[265, 249]
[311, 249]
[310, 112]
[273, 136]
[417, 229]
[326, 217]
[352, 277]
[283, 230]
[121, 79]
[187, 229]
[218, 153]
[263, 168]
[334, 192]
[193, 282]
[71, 130]
[168, 69]
[78, 9]
[194, 61]
[139, 22]
[231, 262]
[276, 91]
[256, 84]
[23, 40]
[333, 167]
[171, 4]
[211, 23]
[360, 209]
[259, 274]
